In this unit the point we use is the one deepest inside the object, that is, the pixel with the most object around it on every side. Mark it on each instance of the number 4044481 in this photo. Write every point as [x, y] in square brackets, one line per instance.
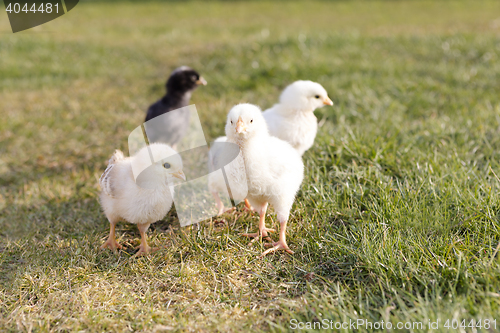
[42, 8]
[486, 324]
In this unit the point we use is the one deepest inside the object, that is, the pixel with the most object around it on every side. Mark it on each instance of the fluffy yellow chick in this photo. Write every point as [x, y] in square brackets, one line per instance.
[140, 201]
[273, 168]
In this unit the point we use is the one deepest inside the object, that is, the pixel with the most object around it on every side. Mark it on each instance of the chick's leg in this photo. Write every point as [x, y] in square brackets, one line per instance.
[263, 231]
[144, 248]
[219, 203]
[111, 243]
[281, 244]
[248, 206]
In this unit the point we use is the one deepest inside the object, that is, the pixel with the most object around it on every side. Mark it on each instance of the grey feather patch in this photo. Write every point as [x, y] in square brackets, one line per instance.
[105, 180]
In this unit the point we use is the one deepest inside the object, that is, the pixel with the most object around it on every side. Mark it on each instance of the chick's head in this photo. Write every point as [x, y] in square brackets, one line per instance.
[160, 164]
[171, 167]
[184, 79]
[245, 121]
[305, 95]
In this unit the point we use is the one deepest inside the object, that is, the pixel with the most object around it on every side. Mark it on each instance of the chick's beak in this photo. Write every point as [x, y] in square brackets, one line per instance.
[179, 174]
[201, 81]
[240, 126]
[327, 101]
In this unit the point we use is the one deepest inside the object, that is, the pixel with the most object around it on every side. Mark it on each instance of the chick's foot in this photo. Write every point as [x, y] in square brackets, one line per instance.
[111, 244]
[145, 249]
[263, 233]
[277, 246]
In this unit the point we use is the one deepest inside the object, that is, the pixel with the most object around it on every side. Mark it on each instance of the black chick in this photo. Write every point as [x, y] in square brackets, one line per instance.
[171, 127]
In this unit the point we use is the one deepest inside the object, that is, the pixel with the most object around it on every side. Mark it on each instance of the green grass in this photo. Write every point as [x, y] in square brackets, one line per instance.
[398, 215]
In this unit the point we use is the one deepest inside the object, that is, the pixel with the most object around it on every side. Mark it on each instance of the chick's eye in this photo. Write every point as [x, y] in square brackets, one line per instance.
[251, 120]
[166, 165]
[231, 122]
[317, 96]
[194, 78]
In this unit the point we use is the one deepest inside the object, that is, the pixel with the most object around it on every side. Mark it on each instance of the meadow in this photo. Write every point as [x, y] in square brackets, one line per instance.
[397, 218]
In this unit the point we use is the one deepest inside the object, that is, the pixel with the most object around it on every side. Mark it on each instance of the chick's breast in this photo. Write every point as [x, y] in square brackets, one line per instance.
[275, 172]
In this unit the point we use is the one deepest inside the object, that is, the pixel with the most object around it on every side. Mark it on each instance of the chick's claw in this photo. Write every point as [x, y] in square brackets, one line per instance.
[262, 234]
[276, 247]
[227, 210]
[111, 244]
[145, 250]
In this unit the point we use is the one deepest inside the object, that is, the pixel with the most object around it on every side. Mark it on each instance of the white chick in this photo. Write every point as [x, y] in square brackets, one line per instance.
[274, 169]
[140, 202]
[293, 118]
